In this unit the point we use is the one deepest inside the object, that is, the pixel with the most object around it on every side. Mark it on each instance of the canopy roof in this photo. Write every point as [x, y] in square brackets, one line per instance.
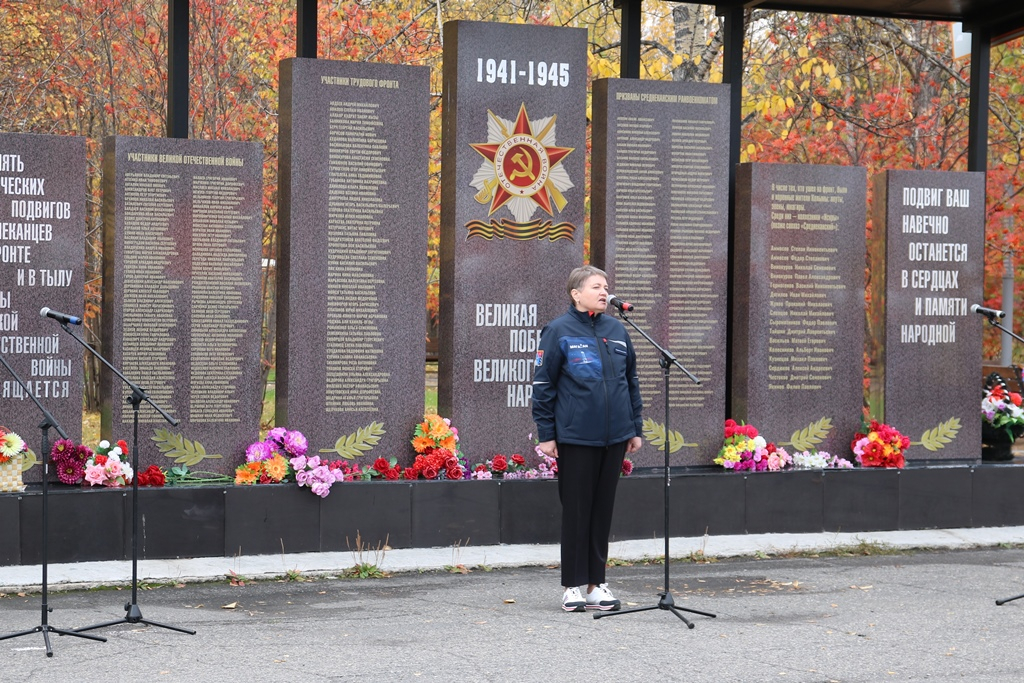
[1004, 18]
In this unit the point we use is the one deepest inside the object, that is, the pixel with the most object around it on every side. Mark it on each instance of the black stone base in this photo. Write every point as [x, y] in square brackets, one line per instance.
[96, 524]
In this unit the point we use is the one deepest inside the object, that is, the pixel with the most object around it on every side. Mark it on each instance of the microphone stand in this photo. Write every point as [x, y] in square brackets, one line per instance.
[993, 323]
[48, 421]
[666, 602]
[133, 615]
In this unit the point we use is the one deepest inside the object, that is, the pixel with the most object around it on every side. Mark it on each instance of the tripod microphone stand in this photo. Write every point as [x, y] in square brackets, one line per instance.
[133, 614]
[992, 321]
[666, 602]
[48, 421]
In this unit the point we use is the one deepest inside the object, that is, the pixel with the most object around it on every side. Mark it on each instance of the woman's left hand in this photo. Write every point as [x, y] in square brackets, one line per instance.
[634, 444]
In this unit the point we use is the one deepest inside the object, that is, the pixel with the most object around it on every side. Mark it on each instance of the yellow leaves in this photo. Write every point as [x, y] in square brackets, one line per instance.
[816, 108]
[829, 125]
[677, 60]
[835, 84]
[806, 67]
[601, 67]
[802, 52]
[1011, 159]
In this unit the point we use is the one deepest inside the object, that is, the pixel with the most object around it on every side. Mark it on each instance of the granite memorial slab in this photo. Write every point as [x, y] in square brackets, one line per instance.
[927, 270]
[659, 227]
[42, 257]
[182, 300]
[512, 216]
[798, 283]
[352, 255]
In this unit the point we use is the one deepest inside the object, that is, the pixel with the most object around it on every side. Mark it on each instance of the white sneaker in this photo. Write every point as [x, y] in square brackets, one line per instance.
[572, 600]
[601, 598]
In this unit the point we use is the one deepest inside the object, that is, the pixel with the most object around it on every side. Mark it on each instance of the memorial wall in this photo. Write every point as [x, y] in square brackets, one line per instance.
[182, 312]
[927, 269]
[512, 217]
[42, 257]
[798, 316]
[352, 256]
[659, 227]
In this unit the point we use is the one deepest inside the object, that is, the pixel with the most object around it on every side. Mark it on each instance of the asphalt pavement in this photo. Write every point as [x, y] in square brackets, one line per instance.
[899, 606]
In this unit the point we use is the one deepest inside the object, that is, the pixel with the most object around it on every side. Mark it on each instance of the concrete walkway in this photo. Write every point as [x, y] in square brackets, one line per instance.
[118, 573]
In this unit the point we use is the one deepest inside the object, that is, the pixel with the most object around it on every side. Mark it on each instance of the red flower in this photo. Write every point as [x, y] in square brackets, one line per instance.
[410, 473]
[1015, 398]
[480, 468]
[393, 474]
[430, 472]
[381, 465]
[124, 446]
[627, 467]
[518, 459]
[499, 463]
[100, 460]
[155, 476]
[454, 472]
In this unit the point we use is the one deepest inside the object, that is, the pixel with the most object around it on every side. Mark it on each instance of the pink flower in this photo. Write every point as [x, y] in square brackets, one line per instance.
[95, 475]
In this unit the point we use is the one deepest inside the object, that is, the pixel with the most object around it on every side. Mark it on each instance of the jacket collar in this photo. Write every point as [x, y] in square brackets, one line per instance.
[584, 317]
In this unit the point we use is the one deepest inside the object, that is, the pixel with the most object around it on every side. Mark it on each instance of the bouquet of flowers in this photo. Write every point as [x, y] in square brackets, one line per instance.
[319, 475]
[109, 465]
[502, 467]
[744, 450]
[151, 476]
[1000, 408]
[820, 460]
[436, 444]
[881, 446]
[268, 461]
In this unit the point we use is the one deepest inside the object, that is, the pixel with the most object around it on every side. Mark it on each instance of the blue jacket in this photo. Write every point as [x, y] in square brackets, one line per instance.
[585, 387]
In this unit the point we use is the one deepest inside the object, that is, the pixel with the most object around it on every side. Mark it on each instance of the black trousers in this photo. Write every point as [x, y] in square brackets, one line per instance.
[587, 478]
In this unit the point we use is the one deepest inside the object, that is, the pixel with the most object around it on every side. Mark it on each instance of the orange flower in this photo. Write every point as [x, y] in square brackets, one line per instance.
[449, 443]
[438, 428]
[246, 474]
[422, 443]
[276, 468]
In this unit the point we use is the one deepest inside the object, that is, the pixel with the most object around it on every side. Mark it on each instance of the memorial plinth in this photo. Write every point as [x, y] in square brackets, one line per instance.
[182, 296]
[660, 220]
[352, 257]
[798, 325]
[42, 256]
[927, 269]
[512, 212]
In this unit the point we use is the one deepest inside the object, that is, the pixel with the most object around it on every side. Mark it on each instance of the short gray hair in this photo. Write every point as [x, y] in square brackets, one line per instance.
[580, 275]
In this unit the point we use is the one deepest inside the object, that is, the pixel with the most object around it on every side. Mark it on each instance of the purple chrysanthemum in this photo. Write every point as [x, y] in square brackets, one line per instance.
[295, 443]
[62, 451]
[277, 435]
[259, 451]
[70, 471]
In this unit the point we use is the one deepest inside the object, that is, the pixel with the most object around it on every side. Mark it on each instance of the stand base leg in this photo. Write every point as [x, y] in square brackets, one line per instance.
[666, 603]
[134, 616]
[46, 630]
[1006, 600]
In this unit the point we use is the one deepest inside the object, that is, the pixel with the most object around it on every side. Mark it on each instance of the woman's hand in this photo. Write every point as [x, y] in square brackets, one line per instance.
[634, 444]
[548, 448]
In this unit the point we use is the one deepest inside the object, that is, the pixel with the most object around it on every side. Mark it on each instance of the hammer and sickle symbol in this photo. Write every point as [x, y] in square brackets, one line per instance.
[525, 162]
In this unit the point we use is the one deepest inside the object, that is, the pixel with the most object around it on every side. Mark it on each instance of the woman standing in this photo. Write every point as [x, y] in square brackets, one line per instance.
[587, 406]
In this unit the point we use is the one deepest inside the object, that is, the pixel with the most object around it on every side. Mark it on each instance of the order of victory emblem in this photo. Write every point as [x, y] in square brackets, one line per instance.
[523, 171]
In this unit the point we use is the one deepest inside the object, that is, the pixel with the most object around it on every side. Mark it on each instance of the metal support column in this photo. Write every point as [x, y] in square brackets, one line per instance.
[305, 28]
[177, 68]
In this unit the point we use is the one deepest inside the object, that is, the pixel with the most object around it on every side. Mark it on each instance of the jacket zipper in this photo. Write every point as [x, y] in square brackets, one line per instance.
[604, 378]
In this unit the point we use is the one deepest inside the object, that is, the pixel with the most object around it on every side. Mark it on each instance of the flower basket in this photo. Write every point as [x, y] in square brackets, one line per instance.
[12, 451]
[1002, 419]
[996, 444]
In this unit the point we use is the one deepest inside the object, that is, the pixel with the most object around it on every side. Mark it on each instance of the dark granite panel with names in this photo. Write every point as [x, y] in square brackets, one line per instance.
[42, 256]
[182, 296]
[659, 228]
[351, 308]
[512, 214]
[798, 326]
[927, 269]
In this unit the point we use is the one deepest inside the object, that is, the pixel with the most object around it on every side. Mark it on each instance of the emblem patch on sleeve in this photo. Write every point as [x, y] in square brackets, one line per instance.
[540, 358]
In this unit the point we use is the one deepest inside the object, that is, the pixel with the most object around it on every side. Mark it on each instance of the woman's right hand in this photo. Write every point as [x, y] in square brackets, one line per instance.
[548, 448]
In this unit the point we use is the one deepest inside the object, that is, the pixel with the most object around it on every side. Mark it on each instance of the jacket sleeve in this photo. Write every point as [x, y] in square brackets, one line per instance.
[634, 388]
[546, 371]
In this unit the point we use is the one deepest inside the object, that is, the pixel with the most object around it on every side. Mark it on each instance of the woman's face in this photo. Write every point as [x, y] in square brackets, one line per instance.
[592, 296]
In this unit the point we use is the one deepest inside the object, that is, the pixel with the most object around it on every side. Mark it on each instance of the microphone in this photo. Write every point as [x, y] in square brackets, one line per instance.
[59, 317]
[987, 312]
[620, 304]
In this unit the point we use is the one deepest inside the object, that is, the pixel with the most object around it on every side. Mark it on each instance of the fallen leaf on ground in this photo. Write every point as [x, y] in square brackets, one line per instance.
[230, 605]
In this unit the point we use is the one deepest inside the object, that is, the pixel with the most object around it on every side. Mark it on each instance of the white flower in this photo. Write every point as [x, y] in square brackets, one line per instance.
[104, 444]
[760, 442]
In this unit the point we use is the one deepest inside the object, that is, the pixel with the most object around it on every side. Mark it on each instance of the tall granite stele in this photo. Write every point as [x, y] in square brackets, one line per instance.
[927, 269]
[798, 311]
[42, 255]
[512, 211]
[352, 255]
[182, 296]
[659, 227]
